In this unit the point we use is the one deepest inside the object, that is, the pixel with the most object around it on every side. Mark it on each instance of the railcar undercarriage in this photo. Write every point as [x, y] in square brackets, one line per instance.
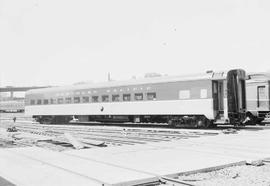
[177, 121]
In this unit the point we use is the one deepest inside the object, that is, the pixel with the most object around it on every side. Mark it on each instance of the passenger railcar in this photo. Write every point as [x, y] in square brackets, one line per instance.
[193, 101]
[258, 97]
[12, 106]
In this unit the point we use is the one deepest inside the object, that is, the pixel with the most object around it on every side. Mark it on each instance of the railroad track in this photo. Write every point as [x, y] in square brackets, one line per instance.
[112, 135]
[132, 136]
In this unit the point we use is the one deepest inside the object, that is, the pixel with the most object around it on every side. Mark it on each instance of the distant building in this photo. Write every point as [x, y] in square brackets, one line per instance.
[152, 74]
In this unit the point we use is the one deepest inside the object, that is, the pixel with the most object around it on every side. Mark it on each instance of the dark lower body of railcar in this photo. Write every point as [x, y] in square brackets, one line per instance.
[258, 117]
[178, 121]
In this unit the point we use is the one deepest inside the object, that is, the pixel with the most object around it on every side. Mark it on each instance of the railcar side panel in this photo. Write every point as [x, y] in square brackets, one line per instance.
[164, 91]
[175, 107]
[258, 98]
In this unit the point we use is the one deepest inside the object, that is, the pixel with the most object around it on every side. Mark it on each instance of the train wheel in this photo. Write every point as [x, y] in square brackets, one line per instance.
[259, 121]
[203, 122]
[170, 122]
[177, 124]
[252, 119]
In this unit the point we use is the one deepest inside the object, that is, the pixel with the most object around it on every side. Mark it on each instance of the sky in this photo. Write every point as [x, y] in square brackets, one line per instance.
[61, 42]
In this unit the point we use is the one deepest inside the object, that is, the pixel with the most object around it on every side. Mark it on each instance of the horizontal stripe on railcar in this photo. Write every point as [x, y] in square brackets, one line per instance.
[175, 107]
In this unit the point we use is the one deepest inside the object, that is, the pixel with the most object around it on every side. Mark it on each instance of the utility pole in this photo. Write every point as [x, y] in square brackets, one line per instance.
[109, 76]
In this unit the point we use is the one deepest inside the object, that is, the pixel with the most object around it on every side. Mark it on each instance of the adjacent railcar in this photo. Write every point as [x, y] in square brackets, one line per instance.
[258, 97]
[193, 101]
[12, 106]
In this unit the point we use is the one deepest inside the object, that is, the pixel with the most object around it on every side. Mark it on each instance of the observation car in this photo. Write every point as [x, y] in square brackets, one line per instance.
[258, 97]
[197, 100]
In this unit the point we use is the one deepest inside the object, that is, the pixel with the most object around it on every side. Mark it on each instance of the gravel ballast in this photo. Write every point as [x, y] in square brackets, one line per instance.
[236, 175]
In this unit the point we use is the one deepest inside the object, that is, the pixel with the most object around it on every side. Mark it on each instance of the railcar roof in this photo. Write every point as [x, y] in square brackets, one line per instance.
[258, 77]
[141, 81]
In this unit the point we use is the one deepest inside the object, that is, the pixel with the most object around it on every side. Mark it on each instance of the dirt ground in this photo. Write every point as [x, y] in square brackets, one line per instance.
[232, 176]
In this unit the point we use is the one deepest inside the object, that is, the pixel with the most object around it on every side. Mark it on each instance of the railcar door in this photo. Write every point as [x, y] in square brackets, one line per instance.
[218, 99]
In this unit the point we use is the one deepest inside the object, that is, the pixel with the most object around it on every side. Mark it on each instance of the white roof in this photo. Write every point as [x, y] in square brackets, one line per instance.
[141, 81]
[259, 77]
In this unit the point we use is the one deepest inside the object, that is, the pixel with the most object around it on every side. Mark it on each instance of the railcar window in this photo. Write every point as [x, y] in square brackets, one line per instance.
[151, 96]
[68, 100]
[138, 96]
[45, 101]
[261, 91]
[115, 98]
[53, 101]
[32, 102]
[261, 96]
[184, 94]
[94, 99]
[85, 99]
[126, 97]
[203, 93]
[39, 101]
[76, 99]
[60, 100]
[105, 98]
